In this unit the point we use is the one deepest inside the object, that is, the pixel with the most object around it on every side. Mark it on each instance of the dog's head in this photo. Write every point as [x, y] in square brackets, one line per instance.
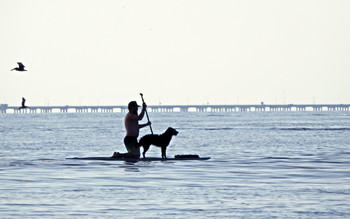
[171, 131]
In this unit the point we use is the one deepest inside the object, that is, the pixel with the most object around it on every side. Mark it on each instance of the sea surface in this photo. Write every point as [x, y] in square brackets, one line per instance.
[263, 165]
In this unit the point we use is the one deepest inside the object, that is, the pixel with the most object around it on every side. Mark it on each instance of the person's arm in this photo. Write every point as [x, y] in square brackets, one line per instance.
[142, 114]
[144, 125]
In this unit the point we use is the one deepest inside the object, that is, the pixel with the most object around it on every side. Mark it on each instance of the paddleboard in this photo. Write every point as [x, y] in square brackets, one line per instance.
[175, 158]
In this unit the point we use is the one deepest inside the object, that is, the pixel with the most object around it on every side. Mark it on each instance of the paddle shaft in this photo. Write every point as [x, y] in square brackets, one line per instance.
[143, 101]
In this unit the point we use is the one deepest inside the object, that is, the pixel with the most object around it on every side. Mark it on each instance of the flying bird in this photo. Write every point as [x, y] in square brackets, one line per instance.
[20, 67]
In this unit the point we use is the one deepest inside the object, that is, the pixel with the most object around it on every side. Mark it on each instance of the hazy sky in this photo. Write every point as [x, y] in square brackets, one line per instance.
[105, 52]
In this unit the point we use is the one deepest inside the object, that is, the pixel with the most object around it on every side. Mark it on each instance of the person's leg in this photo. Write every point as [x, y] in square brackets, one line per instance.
[132, 154]
[132, 146]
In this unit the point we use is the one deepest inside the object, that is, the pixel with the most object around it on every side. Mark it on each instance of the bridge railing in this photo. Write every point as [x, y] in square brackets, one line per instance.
[4, 108]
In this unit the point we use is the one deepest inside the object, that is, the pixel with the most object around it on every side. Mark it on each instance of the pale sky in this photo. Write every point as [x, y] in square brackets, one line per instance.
[105, 52]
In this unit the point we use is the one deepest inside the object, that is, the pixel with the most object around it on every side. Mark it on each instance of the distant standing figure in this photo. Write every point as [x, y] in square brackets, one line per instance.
[23, 104]
[20, 67]
[132, 127]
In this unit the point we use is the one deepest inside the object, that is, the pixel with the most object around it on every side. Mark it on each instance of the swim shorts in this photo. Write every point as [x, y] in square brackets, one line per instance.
[132, 145]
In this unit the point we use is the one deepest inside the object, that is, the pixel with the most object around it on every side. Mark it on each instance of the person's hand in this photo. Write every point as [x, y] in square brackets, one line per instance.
[144, 106]
[149, 123]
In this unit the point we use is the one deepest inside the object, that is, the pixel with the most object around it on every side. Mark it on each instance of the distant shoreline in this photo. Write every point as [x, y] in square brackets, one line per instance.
[4, 108]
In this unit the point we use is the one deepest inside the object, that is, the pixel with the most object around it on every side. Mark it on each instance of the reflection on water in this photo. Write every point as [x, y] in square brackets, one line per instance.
[264, 165]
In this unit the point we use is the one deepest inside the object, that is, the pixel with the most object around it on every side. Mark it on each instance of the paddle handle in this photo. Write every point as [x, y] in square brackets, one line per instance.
[143, 101]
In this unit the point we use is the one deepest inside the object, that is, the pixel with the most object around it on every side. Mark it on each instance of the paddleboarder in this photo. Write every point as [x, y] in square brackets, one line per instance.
[132, 127]
[23, 104]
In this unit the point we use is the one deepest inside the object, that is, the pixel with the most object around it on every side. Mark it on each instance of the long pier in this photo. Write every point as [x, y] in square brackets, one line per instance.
[4, 108]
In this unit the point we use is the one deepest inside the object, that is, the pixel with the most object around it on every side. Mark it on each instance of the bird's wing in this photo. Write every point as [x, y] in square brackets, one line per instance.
[20, 64]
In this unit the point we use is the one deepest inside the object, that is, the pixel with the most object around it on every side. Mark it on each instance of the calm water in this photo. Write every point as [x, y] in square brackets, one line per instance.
[264, 165]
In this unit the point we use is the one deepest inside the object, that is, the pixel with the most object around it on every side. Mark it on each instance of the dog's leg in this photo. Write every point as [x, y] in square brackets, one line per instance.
[164, 152]
[145, 149]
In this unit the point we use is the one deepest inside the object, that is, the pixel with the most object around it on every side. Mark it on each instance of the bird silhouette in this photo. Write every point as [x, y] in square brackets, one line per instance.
[20, 67]
[23, 104]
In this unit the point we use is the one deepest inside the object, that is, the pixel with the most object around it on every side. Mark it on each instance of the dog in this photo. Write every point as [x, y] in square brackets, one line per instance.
[162, 141]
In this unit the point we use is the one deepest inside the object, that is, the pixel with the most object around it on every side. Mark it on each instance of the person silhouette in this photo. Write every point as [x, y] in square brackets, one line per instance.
[132, 127]
[23, 104]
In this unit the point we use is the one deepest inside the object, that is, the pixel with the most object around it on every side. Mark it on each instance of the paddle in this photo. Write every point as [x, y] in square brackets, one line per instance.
[143, 101]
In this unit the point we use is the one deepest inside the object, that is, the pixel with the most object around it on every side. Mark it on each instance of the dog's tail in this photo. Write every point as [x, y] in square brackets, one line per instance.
[142, 141]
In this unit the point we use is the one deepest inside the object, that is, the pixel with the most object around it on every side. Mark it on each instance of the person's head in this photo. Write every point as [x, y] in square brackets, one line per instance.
[133, 107]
